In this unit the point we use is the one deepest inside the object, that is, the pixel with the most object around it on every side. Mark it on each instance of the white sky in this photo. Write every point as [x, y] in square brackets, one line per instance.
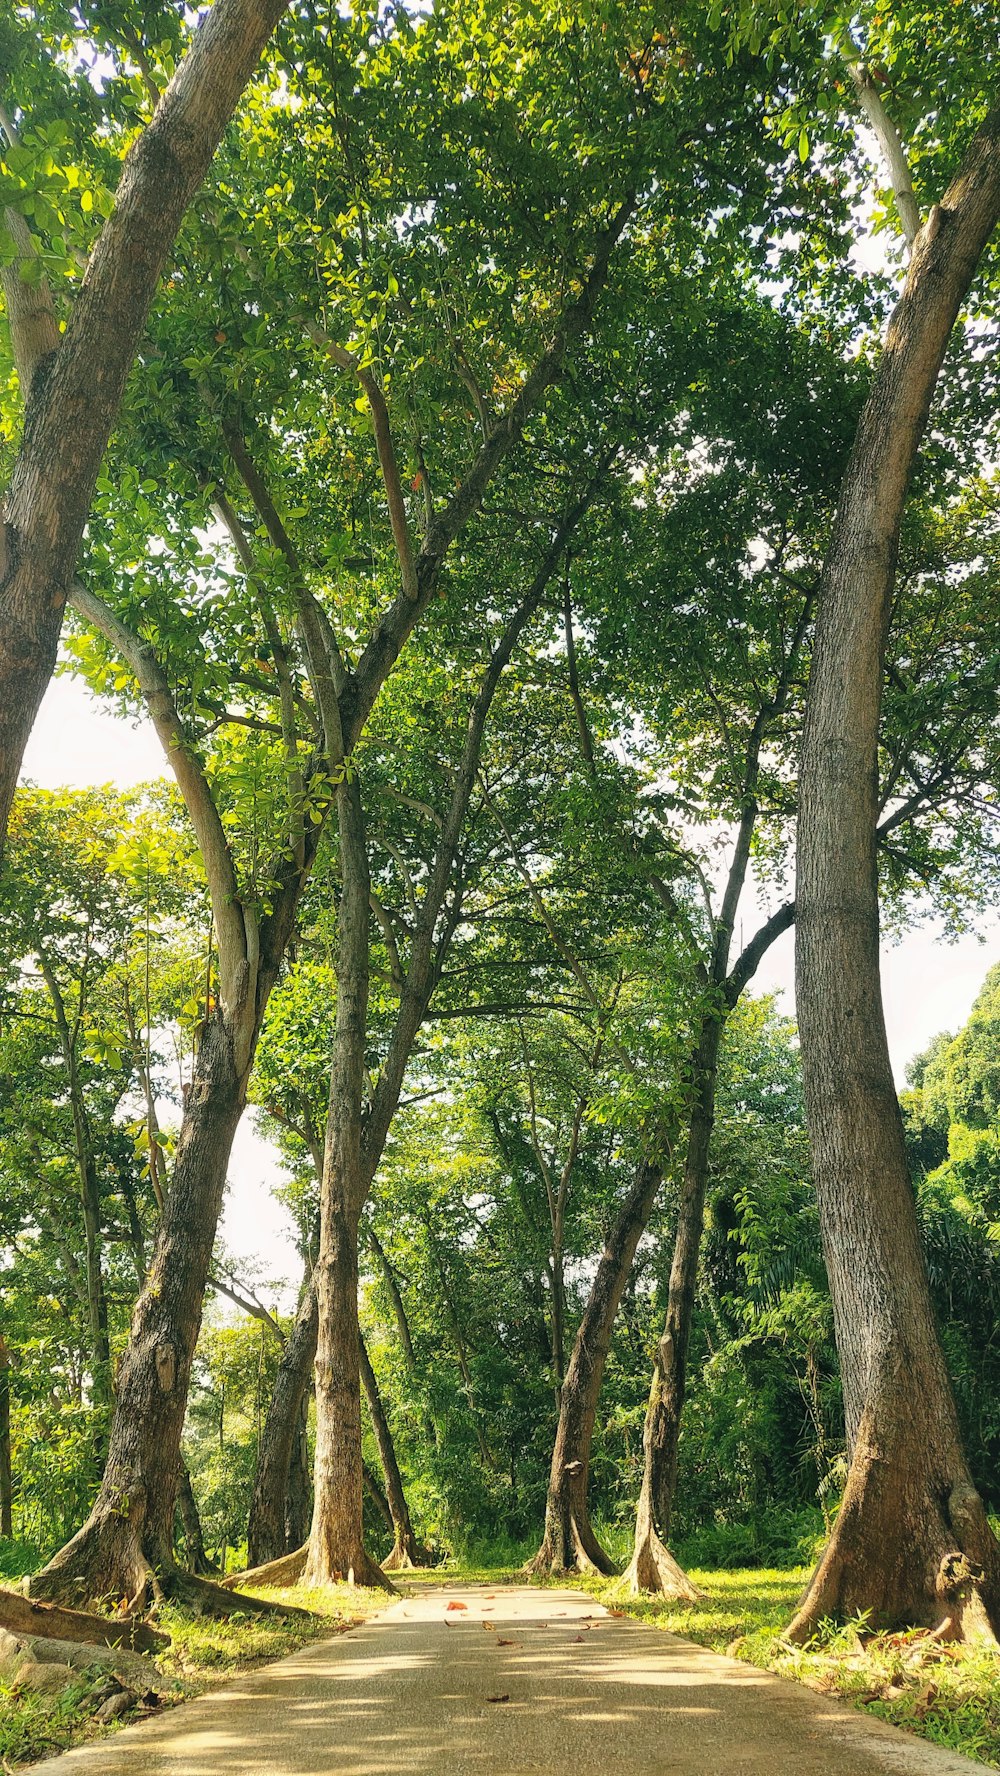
[929, 984]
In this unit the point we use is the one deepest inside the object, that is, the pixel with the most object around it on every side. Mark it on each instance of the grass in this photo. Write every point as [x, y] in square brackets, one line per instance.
[948, 1694]
[203, 1653]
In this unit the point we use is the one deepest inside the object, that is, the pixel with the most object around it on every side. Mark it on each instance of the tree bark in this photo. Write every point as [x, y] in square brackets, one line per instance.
[911, 1542]
[336, 1542]
[128, 1537]
[73, 383]
[195, 1553]
[569, 1542]
[374, 1490]
[299, 1493]
[406, 1550]
[269, 1528]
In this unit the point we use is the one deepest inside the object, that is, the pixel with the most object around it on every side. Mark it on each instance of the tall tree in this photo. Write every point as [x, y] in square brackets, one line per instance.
[911, 1541]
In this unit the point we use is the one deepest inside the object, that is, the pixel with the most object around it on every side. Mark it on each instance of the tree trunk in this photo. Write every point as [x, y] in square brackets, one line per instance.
[569, 1542]
[195, 1555]
[336, 1541]
[911, 1541]
[71, 406]
[128, 1536]
[372, 1487]
[653, 1567]
[299, 1495]
[269, 1526]
[6, 1476]
[406, 1550]
[336, 1545]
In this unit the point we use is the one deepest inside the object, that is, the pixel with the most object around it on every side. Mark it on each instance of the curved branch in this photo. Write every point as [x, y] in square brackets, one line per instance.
[232, 919]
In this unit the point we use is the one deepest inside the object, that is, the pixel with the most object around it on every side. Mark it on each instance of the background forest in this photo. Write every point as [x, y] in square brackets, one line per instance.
[444, 433]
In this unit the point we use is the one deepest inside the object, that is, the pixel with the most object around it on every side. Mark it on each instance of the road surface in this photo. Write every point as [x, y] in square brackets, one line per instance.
[502, 1683]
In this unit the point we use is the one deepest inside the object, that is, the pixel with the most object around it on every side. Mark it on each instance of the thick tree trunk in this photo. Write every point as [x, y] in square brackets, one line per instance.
[6, 1474]
[336, 1541]
[653, 1567]
[195, 1554]
[336, 1545]
[569, 1542]
[269, 1527]
[911, 1541]
[406, 1550]
[128, 1536]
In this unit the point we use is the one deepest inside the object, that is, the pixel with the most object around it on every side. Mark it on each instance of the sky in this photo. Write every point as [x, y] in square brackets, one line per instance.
[929, 984]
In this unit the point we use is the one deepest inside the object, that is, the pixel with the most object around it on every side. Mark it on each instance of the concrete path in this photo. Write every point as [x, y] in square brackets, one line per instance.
[517, 1680]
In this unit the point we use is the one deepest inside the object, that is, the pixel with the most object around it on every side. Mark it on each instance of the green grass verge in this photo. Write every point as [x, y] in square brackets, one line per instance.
[948, 1694]
[203, 1653]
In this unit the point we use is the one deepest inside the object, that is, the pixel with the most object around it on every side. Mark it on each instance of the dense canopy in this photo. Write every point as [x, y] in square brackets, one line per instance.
[534, 469]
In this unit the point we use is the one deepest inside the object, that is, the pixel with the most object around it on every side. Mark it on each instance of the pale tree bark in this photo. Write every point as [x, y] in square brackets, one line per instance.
[73, 383]
[336, 1543]
[911, 1541]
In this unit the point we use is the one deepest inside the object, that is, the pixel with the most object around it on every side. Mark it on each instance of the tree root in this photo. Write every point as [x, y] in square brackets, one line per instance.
[408, 1556]
[286, 1570]
[204, 1598]
[291, 1569]
[892, 1557]
[654, 1569]
[360, 1570]
[26, 1616]
[584, 1555]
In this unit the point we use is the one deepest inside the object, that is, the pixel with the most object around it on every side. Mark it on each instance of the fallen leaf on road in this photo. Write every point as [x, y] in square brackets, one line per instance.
[611, 1612]
[455, 1605]
[498, 1698]
[491, 1625]
[502, 1642]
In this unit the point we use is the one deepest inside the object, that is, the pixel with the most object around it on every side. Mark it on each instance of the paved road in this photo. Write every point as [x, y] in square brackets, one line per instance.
[517, 1681]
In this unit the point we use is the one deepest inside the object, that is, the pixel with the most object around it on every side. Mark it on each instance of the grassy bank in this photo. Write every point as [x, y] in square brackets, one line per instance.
[203, 1654]
[950, 1695]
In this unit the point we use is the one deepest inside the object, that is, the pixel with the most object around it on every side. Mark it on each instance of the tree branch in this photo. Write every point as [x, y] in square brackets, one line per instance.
[232, 919]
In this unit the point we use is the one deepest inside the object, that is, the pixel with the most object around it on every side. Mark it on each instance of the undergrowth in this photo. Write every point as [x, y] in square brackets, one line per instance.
[948, 1694]
[203, 1653]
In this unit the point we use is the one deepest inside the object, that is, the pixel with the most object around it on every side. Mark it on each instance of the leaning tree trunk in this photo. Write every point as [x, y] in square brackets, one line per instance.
[653, 1567]
[268, 1528]
[569, 1542]
[406, 1550]
[911, 1541]
[128, 1537]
